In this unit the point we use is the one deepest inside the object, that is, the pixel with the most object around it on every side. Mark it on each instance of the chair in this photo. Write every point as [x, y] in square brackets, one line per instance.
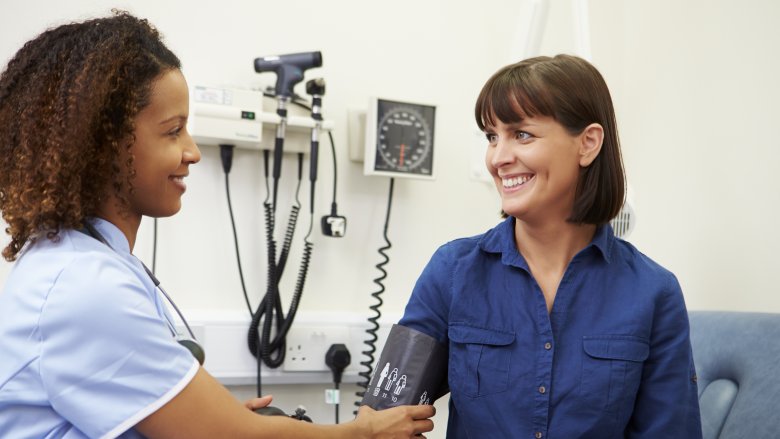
[737, 356]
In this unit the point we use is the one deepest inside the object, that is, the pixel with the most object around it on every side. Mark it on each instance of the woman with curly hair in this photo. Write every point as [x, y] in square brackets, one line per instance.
[92, 138]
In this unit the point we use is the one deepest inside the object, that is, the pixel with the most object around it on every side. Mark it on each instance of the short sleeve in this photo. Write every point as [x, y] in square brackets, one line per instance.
[106, 350]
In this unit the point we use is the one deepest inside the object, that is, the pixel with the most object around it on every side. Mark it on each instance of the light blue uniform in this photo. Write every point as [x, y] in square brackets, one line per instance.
[85, 347]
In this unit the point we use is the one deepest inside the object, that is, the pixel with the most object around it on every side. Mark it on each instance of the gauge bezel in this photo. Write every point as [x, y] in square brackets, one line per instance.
[379, 111]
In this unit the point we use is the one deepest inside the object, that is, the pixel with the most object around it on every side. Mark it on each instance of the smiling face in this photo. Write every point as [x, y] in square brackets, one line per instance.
[163, 149]
[535, 164]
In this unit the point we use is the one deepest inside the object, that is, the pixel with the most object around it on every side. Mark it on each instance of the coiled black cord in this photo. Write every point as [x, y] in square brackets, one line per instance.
[374, 320]
[292, 222]
[261, 345]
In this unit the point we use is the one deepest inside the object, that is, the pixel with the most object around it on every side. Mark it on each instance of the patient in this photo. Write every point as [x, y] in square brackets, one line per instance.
[555, 327]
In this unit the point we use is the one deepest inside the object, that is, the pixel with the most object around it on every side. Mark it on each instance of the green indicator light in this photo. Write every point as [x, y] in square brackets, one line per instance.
[248, 115]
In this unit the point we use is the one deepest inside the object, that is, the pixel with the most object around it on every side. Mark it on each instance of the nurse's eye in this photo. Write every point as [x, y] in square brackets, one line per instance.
[492, 138]
[175, 132]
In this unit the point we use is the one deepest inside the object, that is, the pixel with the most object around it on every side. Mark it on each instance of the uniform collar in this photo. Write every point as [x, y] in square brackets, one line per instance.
[111, 233]
[501, 239]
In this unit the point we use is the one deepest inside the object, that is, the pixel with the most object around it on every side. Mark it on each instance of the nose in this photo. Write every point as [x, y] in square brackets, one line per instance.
[191, 153]
[500, 154]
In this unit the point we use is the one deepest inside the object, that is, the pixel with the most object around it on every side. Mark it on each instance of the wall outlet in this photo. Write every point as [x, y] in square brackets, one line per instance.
[307, 345]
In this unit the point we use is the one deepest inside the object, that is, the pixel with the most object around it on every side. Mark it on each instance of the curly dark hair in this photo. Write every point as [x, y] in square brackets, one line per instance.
[68, 100]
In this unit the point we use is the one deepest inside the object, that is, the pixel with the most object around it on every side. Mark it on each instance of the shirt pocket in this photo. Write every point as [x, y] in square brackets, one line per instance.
[479, 359]
[612, 371]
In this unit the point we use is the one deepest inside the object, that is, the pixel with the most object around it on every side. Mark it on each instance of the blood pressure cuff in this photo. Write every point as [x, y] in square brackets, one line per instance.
[412, 370]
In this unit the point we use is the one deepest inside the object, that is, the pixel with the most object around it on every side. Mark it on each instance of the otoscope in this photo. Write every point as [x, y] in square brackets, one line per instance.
[289, 71]
[315, 88]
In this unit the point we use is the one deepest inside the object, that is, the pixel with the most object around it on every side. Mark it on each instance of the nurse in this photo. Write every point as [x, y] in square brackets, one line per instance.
[92, 138]
[556, 328]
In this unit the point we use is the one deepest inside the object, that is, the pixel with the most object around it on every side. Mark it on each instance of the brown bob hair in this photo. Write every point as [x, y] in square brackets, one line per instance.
[571, 91]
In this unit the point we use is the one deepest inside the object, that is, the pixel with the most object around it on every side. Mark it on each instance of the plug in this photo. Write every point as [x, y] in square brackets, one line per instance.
[226, 155]
[334, 225]
[337, 358]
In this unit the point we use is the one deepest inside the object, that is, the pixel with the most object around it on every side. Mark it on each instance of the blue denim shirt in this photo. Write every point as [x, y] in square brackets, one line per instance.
[612, 360]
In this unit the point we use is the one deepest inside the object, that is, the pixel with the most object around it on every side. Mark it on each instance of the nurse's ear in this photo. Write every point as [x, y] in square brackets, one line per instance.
[590, 141]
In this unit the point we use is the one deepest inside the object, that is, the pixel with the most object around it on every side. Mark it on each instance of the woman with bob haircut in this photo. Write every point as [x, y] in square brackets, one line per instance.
[555, 327]
[93, 136]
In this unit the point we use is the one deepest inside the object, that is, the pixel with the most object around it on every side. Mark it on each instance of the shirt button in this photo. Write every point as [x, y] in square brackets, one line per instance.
[538, 435]
[548, 345]
[542, 389]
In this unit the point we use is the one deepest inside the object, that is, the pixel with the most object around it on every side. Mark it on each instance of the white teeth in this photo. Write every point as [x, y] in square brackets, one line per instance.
[516, 181]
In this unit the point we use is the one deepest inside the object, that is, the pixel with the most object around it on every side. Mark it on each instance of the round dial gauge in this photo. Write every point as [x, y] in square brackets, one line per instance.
[404, 142]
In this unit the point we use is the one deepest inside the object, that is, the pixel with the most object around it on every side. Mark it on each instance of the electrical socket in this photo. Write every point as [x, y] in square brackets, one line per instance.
[307, 345]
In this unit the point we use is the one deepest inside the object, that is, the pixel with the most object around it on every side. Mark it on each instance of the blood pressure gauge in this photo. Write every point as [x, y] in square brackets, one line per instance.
[399, 139]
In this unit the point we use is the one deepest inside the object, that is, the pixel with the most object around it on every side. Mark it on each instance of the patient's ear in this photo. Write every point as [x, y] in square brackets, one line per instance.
[591, 139]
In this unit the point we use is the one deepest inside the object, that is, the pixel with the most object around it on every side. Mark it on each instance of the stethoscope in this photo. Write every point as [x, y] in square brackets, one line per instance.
[191, 344]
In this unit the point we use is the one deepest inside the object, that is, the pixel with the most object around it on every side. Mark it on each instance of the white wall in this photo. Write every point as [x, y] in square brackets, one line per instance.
[696, 89]
[694, 83]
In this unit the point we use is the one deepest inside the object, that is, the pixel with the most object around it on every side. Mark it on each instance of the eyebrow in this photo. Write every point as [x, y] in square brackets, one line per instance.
[179, 117]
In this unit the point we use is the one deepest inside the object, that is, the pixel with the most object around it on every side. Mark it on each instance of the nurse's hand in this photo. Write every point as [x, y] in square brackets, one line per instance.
[256, 403]
[403, 422]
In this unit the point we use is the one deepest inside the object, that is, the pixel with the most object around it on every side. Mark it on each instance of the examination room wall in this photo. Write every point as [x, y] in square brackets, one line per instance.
[696, 92]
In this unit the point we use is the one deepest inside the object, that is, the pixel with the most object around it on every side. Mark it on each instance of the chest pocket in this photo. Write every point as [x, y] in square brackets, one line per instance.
[612, 371]
[479, 359]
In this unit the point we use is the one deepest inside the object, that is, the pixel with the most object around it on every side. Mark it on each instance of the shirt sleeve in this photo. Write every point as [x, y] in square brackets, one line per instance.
[428, 308]
[667, 404]
[107, 359]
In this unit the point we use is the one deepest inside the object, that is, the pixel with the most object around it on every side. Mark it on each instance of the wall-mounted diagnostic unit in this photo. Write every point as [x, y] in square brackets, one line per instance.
[245, 118]
[399, 139]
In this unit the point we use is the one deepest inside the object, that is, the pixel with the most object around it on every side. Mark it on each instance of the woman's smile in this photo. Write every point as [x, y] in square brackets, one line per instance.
[514, 183]
[178, 181]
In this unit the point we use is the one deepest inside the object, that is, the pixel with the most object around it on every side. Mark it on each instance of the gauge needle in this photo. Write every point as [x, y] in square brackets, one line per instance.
[401, 157]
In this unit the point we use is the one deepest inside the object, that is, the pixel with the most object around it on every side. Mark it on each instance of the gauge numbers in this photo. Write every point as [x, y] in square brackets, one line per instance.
[403, 141]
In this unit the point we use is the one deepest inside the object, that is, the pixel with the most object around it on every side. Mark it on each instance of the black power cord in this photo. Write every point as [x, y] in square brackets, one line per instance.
[337, 358]
[262, 348]
[333, 225]
[374, 320]
[266, 349]
[260, 344]
[226, 156]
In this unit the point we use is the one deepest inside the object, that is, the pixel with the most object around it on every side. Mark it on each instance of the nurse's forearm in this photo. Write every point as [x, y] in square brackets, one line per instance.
[205, 409]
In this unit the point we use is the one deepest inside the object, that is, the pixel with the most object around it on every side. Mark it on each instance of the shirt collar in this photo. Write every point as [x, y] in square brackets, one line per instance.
[111, 233]
[603, 240]
[501, 239]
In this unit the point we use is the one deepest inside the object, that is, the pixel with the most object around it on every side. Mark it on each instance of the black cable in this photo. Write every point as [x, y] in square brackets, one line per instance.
[261, 345]
[154, 248]
[297, 100]
[337, 359]
[337, 404]
[226, 155]
[335, 170]
[292, 222]
[374, 321]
